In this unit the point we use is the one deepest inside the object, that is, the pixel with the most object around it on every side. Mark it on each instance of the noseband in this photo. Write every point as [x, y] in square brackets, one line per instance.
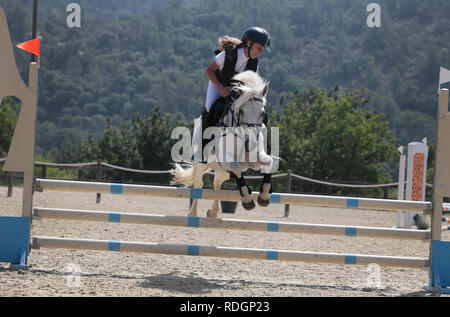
[238, 121]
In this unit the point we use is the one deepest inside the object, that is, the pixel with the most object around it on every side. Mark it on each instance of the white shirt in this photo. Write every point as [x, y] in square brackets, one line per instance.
[213, 93]
[240, 64]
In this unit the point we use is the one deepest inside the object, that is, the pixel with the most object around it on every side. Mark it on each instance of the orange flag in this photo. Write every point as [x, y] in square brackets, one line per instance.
[33, 46]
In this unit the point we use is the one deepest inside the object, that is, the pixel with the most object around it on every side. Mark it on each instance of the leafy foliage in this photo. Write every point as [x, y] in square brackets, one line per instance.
[8, 120]
[142, 143]
[332, 136]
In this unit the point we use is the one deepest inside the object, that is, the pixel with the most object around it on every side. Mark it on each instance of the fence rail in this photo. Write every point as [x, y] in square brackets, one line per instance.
[100, 167]
[124, 169]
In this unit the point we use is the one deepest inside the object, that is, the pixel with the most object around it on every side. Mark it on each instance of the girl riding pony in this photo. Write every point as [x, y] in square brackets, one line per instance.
[234, 56]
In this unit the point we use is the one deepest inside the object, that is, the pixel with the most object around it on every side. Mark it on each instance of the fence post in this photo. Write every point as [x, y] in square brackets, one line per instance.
[99, 179]
[44, 171]
[288, 183]
[10, 183]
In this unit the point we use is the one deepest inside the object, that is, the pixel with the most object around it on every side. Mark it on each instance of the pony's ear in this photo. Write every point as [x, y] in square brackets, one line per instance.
[266, 90]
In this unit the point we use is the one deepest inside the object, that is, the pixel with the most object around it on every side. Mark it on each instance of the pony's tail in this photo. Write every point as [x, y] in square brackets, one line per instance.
[181, 175]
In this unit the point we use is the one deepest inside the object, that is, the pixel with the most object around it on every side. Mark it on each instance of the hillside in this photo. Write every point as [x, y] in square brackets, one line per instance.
[130, 56]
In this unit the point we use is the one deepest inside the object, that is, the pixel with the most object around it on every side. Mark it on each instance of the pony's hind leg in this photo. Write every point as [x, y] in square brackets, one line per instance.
[198, 170]
[265, 191]
[219, 178]
[244, 190]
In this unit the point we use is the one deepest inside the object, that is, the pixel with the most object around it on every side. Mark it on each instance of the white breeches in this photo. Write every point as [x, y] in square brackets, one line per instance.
[212, 95]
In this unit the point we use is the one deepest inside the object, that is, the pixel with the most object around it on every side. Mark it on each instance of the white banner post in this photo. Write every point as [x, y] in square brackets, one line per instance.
[401, 185]
[416, 177]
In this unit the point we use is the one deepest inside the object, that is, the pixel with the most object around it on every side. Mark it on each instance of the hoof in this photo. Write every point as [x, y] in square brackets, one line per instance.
[262, 202]
[210, 214]
[249, 206]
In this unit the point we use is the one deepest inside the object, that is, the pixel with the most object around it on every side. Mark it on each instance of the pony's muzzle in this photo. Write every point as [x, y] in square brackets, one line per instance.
[251, 139]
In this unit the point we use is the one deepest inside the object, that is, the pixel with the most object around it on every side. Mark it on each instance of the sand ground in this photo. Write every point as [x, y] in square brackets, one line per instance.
[54, 272]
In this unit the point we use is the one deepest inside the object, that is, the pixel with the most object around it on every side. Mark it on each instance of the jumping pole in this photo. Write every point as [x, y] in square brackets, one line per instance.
[226, 252]
[231, 224]
[226, 195]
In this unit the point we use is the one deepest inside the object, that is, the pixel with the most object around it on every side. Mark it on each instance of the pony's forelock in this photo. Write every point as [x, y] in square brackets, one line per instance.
[250, 84]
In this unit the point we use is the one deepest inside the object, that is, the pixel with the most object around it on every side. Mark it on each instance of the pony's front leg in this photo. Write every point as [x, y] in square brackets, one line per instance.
[198, 170]
[193, 210]
[265, 191]
[235, 168]
[246, 193]
[219, 178]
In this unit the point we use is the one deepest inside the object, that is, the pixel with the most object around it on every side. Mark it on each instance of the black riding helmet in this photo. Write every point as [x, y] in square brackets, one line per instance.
[258, 35]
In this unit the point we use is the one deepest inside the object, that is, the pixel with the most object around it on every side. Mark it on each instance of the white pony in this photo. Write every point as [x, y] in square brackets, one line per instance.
[245, 131]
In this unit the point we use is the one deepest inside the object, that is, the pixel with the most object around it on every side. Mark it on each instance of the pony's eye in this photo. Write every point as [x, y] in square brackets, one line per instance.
[241, 111]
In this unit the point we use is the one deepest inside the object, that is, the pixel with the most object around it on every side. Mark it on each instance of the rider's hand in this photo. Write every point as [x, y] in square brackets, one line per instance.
[224, 91]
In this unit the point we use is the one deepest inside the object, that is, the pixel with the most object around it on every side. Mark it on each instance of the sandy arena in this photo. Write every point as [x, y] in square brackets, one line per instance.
[50, 271]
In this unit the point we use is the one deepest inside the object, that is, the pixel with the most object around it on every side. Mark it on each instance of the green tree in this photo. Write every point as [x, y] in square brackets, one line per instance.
[153, 139]
[141, 143]
[332, 137]
[8, 120]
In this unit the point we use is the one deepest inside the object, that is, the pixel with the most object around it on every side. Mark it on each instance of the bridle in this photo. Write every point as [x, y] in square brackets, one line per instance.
[237, 123]
[237, 119]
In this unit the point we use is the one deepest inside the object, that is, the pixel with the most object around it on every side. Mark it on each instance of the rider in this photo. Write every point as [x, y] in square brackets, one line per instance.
[234, 56]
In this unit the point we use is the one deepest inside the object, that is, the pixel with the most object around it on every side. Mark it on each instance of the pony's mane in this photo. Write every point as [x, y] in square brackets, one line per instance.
[250, 84]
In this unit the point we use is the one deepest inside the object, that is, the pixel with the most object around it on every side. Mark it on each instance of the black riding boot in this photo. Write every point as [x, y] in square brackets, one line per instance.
[210, 119]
